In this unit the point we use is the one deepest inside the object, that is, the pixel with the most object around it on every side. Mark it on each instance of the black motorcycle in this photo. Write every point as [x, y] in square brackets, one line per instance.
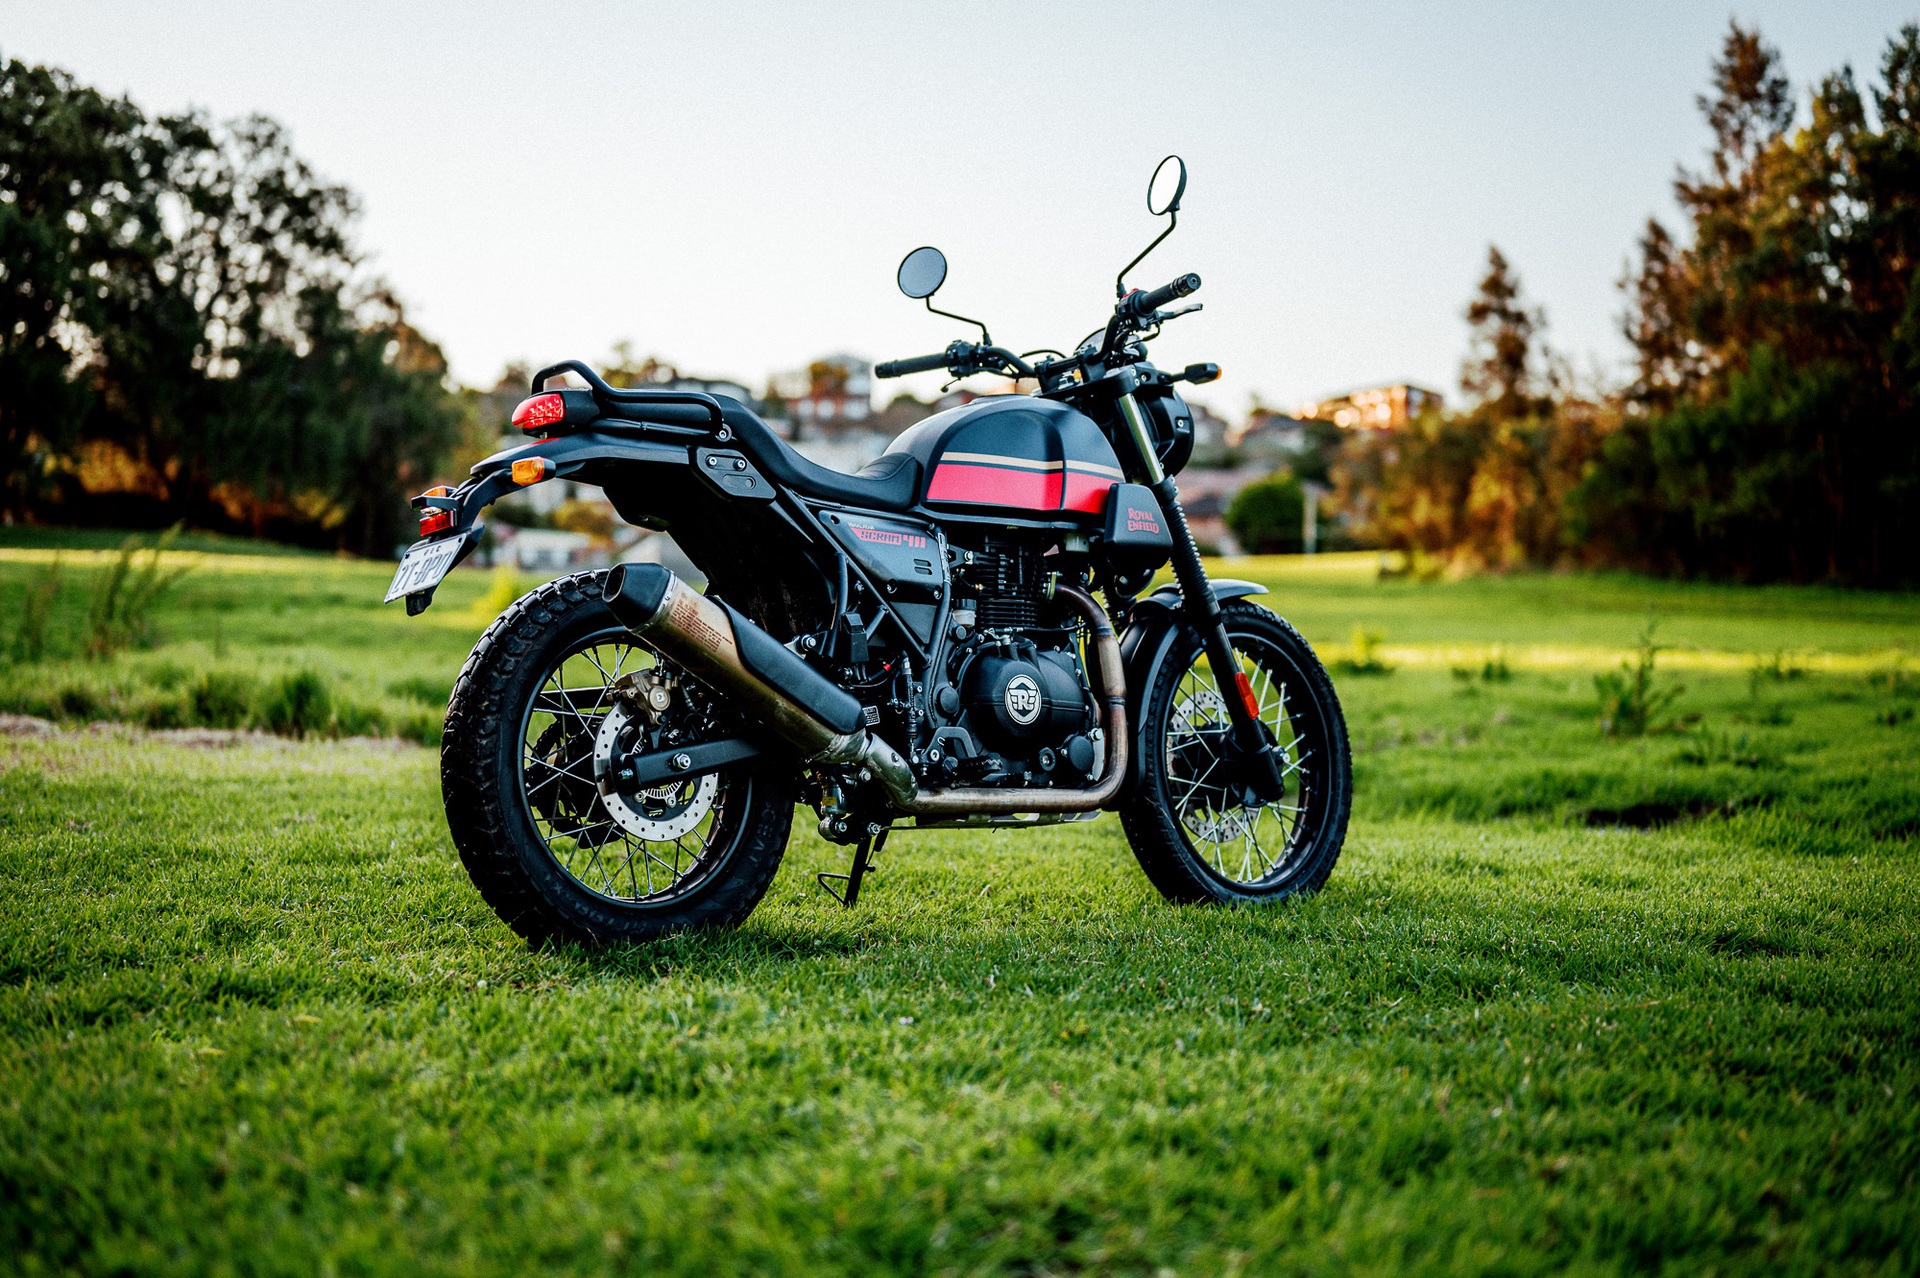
[916, 645]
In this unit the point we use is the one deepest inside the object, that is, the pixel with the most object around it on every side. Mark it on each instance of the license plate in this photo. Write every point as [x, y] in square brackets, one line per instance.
[424, 564]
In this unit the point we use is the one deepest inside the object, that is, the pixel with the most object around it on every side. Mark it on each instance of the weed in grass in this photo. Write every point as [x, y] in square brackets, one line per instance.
[1493, 670]
[223, 698]
[297, 704]
[120, 613]
[1768, 714]
[1630, 704]
[1894, 716]
[353, 718]
[36, 610]
[1707, 747]
[1363, 654]
[421, 688]
[1779, 666]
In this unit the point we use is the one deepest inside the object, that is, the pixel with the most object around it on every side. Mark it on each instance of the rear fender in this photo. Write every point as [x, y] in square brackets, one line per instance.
[569, 454]
[565, 455]
[1153, 631]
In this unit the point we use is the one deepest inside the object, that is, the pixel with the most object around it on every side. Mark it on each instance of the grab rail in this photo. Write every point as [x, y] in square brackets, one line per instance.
[605, 394]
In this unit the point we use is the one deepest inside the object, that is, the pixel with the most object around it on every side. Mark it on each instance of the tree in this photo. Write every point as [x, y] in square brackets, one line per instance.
[1772, 430]
[1479, 488]
[187, 334]
[1268, 516]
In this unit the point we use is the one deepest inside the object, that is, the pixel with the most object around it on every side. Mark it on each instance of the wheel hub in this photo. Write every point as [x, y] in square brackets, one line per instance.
[657, 813]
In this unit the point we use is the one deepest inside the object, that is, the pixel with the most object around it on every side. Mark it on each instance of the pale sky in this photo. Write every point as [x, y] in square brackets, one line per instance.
[731, 186]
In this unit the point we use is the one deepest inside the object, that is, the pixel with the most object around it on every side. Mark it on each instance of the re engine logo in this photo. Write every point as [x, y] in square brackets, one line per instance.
[1142, 521]
[1023, 700]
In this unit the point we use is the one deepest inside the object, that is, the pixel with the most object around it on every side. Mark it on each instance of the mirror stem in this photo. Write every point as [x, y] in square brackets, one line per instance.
[986, 338]
[1120, 280]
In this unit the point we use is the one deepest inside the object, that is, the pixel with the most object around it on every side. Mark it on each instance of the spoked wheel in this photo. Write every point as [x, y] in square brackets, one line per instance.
[553, 683]
[1198, 832]
[635, 847]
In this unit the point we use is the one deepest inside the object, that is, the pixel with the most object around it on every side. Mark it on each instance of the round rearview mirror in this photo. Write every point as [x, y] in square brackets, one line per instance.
[1168, 184]
[922, 272]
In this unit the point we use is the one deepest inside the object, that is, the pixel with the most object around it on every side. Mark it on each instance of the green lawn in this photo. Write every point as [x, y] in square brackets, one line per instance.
[1567, 1003]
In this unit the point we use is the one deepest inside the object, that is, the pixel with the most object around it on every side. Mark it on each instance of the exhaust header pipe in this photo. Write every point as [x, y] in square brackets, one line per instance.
[823, 721]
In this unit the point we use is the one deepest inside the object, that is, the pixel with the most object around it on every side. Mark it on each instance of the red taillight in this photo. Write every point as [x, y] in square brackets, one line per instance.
[540, 412]
[435, 521]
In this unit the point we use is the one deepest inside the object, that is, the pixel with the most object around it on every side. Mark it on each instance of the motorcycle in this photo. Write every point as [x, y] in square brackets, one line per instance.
[918, 645]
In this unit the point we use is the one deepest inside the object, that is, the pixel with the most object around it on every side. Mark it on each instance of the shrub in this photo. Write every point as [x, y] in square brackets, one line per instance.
[1267, 515]
[297, 704]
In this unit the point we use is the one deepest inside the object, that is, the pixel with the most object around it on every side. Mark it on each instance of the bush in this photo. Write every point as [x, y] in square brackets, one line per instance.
[297, 704]
[1266, 516]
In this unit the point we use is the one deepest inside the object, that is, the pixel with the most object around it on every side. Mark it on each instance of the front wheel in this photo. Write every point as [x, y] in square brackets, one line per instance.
[553, 856]
[1195, 832]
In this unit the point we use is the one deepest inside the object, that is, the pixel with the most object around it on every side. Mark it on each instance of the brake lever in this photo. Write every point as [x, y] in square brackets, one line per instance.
[1161, 317]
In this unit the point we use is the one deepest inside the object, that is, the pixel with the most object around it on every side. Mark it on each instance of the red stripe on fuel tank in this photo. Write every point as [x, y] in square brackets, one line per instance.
[995, 486]
[1086, 493]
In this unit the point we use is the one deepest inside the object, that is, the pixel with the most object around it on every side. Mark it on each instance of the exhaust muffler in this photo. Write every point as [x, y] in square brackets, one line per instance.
[823, 721]
[730, 654]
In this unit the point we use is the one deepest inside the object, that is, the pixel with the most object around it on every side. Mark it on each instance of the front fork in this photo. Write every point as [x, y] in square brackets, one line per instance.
[1257, 760]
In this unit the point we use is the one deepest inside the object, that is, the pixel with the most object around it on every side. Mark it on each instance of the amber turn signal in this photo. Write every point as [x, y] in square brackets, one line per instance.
[532, 470]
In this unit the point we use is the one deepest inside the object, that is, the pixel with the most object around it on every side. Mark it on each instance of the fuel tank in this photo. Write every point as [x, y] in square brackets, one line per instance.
[1013, 455]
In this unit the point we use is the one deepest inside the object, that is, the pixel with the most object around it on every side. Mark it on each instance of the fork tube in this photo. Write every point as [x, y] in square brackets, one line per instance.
[1203, 611]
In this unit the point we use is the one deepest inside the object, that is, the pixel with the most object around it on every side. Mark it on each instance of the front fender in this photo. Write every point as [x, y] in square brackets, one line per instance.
[1153, 627]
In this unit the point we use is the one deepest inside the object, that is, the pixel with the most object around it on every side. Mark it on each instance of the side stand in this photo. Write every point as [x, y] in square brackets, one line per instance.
[863, 853]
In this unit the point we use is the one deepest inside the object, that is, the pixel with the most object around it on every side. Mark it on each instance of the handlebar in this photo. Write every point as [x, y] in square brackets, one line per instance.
[1147, 303]
[916, 364]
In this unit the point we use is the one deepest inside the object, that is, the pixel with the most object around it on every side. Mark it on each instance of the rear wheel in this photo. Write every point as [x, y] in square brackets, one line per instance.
[1198, 835]
[551, 855]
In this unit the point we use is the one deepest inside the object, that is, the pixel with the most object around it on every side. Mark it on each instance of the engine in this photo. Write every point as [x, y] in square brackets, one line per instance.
[1013, 708]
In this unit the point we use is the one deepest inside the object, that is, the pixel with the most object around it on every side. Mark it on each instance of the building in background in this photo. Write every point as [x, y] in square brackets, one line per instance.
[1375, 408]
[834, 393]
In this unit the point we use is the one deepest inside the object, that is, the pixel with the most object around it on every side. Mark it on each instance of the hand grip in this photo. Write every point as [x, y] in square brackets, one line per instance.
[1146, 303]
[917, 364]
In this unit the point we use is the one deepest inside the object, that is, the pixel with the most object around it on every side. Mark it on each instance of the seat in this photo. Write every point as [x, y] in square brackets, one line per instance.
[891, 482]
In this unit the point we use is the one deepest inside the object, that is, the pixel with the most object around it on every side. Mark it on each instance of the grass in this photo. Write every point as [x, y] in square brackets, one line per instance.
[1568, 1003]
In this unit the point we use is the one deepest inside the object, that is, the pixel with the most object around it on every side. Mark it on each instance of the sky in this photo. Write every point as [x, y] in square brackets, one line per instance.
[731, 186]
